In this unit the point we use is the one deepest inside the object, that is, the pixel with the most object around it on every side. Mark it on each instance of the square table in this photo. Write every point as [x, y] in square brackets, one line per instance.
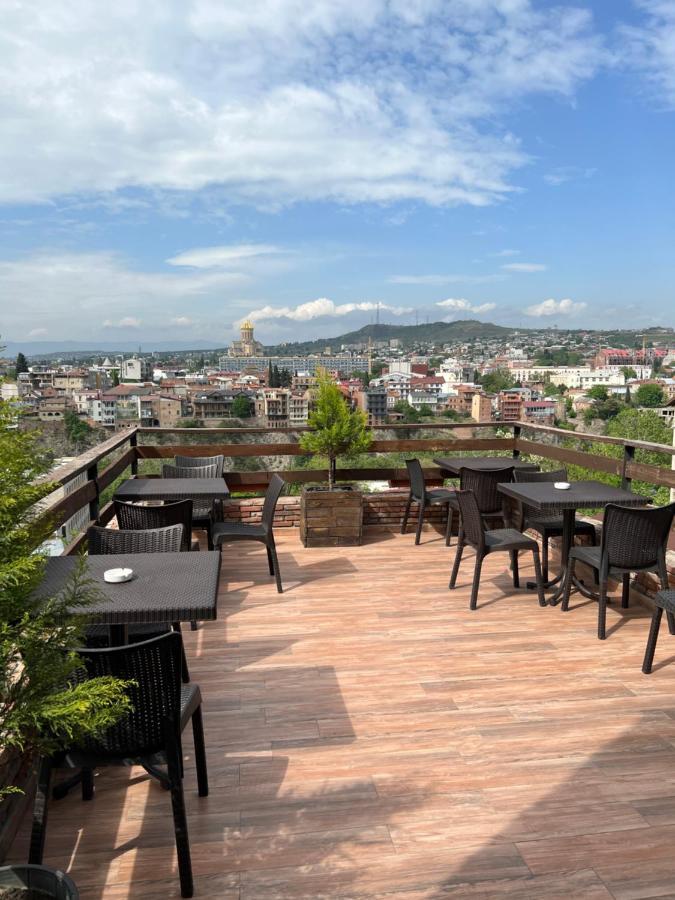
[451, 465]
[166, 587]
[204, 489]
[546, 498]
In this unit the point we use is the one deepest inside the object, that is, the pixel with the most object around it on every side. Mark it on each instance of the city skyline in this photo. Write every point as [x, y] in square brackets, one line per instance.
[312, 167]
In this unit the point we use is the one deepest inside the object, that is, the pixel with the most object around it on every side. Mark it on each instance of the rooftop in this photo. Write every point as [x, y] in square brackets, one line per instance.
[370, 736]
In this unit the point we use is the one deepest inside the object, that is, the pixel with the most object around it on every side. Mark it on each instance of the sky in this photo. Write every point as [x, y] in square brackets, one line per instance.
[168, 169]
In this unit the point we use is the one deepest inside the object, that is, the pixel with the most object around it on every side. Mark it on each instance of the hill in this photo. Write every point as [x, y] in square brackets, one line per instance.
[431, 332]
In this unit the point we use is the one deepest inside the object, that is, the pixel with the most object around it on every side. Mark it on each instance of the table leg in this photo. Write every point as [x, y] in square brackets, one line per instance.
[566, 544]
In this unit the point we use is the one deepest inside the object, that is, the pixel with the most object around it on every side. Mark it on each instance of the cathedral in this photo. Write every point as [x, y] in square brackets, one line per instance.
[247, 345]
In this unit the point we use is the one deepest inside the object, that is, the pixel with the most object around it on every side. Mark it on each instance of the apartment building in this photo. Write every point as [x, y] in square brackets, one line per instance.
[272, 406]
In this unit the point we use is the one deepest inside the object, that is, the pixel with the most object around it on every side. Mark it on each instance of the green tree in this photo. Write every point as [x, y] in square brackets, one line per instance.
[21, 364]
[115, 377]
[77, 430]
[598, 392]
[496, 381]
[628, 372]
[42, 707]
[408, 413]
[241, 407]
[649, 395]
[336, 430]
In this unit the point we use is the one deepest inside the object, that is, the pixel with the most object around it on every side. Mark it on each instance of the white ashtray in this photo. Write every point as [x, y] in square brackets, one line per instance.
[117, 576]
[561, 485]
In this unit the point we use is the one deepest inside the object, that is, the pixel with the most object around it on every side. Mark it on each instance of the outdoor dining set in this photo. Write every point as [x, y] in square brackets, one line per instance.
[150, 582]
[516, 497]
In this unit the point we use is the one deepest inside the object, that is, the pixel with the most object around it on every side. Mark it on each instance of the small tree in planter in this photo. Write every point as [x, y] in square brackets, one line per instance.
[335, 517]
[41, 707]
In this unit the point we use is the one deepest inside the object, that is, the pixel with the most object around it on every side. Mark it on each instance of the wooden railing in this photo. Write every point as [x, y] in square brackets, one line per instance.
[127, 449]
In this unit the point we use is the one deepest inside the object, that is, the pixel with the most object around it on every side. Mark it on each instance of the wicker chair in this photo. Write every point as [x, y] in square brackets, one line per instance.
[472, 531]
[424, 498]
[136, 517]
[202, 516]
[633, 540]
[263, 531]
[551, 526]
[152, 540]
[160, 710]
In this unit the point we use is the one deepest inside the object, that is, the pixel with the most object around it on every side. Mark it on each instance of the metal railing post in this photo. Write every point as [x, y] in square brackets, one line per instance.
[133, 443]
[628, 457]
[516, 436]
[92, 475]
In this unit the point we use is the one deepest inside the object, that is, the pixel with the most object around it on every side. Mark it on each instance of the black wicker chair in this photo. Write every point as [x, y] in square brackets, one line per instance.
[633, 540]
[137, 517]
[547, 527]
[160, 710]
[425, 498]
[472, 531]
[202, 516]
[263, 531]
[152, 540]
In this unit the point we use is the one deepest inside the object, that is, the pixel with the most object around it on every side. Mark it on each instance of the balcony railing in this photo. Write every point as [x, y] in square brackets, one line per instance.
[120, 457]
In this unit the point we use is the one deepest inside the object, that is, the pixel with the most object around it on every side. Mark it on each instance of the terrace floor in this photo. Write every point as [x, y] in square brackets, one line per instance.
[369, 736]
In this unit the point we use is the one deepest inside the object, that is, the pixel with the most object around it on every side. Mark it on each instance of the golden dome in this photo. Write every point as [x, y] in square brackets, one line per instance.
[247, 324]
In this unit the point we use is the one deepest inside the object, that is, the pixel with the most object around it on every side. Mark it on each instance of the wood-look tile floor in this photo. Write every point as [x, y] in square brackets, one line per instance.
[369, 736]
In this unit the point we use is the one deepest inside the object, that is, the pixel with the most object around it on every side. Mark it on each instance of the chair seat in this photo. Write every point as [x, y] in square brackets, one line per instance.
[441, 495]
[190, 700]
[508, 539]
[232, 531]
[554, 526]
[588, 555]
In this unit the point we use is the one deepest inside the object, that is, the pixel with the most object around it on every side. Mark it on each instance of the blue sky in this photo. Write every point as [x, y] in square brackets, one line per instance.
[168, 169]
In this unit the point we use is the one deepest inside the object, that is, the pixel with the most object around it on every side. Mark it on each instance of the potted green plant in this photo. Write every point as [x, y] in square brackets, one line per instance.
[331, 516]
[42, 708]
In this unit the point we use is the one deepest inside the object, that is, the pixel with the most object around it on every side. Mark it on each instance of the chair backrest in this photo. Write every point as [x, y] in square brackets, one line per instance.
[473, 524]
[196, 462]
[525, 476]
[208, 471]
[416, 477]
[102, 541]
[155, 668]
[272, 494]
[134, 517]
[484, 483]
[635, 538]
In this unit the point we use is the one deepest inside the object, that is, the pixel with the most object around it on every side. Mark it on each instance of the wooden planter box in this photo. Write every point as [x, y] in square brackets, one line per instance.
[331, 518]
[15, 769]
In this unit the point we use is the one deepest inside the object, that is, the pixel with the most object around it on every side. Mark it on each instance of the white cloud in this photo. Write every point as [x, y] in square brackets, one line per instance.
[461, 305]
[278, 101]
[437, 280]
[71, 294]
[182, 321]
[125, 322]
[314, 309]
[552, 307]
[222, 257]
[650, 47]
[563, 174]
[524, 267]
[508, 253]
[37, 332]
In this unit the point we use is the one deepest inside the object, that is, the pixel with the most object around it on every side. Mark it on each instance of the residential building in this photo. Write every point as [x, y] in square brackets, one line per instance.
[481, 407]
[135, 369]
[374, 404]
[343, 364]
[272, 405]
[539, 412]
[217, 404]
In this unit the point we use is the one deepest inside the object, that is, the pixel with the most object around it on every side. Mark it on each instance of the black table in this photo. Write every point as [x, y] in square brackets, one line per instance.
[204, 489]
[452, 464]
[166, 587]
[546, 498]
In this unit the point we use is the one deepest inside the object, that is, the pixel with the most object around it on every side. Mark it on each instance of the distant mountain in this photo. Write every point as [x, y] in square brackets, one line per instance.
[431, 332]
[85, 348]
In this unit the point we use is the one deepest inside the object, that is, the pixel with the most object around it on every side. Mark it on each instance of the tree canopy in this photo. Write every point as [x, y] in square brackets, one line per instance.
[496, 381]
[649, 395]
